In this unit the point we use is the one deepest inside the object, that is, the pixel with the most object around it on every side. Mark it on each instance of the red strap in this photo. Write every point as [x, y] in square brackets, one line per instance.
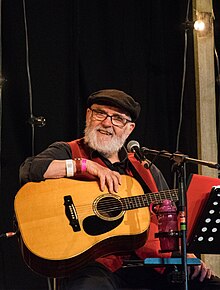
[143, 172]
[77, 149]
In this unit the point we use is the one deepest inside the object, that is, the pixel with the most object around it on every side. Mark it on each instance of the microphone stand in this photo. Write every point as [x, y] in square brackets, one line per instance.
[180, 168]
[179, 157]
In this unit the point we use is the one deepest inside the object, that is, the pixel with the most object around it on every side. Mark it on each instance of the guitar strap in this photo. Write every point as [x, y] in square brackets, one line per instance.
[142, 174]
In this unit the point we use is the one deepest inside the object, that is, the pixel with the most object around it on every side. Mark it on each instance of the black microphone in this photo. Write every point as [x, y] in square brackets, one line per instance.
[134, 146]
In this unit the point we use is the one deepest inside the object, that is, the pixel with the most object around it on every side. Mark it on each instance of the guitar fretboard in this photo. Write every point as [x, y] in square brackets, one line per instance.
[146, 199]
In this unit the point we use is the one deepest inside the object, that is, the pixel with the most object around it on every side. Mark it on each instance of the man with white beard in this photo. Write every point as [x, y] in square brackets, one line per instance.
[100, 155]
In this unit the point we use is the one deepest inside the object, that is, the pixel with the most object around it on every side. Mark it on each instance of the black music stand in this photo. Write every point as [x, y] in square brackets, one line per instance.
[205, 236]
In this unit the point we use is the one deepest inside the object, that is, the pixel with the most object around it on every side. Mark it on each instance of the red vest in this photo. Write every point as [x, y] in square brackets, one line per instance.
[152, 245]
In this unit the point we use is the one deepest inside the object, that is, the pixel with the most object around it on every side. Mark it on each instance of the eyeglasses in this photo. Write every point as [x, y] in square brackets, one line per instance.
[116, 120]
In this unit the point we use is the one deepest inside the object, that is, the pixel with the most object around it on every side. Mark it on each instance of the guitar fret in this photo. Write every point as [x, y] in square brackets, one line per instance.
[135, 202]
[140, 202]
[127, 203]
[152, 197]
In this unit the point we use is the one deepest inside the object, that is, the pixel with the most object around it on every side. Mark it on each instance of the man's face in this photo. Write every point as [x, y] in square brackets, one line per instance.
[103, 135]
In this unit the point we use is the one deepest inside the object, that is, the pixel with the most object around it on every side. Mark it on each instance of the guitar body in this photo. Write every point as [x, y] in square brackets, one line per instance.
[63, 223]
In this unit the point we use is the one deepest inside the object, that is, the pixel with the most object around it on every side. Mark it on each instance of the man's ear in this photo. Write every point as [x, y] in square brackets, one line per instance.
[88, 112]
[131, 127]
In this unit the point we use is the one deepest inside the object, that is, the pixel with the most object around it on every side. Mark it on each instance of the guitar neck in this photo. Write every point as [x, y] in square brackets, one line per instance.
[146, 199]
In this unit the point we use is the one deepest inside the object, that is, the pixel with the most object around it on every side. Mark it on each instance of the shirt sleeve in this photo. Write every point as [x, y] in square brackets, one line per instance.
[159, 178]
[33, 168]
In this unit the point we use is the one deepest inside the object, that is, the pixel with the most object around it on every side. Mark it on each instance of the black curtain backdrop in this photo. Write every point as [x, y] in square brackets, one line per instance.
[76, 48]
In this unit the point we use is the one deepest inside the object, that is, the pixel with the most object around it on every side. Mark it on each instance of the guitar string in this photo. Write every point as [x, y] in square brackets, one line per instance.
[151, 197]
[133, 202]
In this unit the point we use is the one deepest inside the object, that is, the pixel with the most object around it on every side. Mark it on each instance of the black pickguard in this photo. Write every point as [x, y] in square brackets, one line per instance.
[95, 226]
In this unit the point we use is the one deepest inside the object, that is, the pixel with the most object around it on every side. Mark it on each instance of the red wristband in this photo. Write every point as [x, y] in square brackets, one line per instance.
[83, 165]
[78, 165]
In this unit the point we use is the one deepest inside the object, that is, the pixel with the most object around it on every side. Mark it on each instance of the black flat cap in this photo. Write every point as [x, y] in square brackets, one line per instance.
[116, 98]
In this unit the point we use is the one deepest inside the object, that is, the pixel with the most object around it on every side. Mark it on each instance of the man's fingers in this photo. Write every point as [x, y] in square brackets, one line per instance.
[116, 181]
[102, 182]
[112, 182]
[196, 272]
[107, 177]
[202, 272]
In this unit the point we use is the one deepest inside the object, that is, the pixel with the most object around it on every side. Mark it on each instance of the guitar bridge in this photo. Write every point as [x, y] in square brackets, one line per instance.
[71, 213]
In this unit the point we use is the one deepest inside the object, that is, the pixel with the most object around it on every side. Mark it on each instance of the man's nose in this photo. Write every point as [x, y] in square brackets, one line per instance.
[107, 121]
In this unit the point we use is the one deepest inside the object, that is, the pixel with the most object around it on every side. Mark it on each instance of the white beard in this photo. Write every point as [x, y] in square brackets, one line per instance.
[106, 148]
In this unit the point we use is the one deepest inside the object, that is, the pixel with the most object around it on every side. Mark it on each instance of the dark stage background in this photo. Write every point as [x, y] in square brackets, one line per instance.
[75, 48]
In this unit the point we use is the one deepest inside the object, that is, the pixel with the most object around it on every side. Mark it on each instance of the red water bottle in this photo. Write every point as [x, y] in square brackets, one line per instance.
[168, 226]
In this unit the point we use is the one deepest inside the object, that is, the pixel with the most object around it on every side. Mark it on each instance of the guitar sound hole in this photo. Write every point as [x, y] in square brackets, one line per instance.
[109, 207]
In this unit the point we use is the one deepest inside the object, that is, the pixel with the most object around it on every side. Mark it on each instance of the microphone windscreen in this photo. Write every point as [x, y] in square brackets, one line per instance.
[132, 144]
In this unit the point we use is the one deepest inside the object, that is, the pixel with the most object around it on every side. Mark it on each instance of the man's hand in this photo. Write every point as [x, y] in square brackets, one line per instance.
[199, 271]
[107, 177]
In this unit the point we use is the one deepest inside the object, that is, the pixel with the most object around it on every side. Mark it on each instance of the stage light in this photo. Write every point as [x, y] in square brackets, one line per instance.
[203, 23]
[199, 25]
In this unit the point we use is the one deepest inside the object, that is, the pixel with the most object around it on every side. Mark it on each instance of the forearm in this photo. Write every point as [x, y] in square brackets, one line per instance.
[58, 169]
[35, 168]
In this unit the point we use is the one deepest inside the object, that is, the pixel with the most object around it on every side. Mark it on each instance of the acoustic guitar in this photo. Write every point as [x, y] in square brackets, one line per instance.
[65, 223]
